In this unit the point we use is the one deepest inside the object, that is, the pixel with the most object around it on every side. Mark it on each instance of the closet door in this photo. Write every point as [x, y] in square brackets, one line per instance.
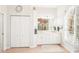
[21, 31]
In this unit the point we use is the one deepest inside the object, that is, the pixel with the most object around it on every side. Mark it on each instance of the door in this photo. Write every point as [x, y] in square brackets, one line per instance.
[1, 27]
[21, 31]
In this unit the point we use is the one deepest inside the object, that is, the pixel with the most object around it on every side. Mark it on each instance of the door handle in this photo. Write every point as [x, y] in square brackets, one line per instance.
[2, 33]
[35, 31]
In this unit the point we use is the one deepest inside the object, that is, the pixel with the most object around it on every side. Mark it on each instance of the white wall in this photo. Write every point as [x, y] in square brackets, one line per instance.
[61, 11]
[26, 10]
[49, 13]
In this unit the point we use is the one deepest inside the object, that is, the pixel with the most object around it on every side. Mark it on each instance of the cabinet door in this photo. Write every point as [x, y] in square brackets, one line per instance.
[47, 37]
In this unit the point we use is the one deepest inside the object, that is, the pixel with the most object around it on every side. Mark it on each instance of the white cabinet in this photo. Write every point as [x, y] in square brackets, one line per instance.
[48, 37]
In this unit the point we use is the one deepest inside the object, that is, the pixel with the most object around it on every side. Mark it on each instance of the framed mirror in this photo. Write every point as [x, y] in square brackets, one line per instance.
[42, 24]
[71, 24]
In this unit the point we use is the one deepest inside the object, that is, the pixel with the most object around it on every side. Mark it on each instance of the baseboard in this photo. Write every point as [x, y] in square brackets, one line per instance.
[71, 50]
[33, 46]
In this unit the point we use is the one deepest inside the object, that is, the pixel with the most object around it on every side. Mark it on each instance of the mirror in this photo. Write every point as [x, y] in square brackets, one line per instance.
[42, 24]
[71, 24]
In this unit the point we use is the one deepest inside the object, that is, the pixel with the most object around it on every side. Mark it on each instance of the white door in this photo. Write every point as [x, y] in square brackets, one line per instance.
[21, 31]
[1, 22]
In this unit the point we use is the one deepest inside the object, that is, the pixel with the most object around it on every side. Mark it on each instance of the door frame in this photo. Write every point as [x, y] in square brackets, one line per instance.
[10, 26]
[2, 34]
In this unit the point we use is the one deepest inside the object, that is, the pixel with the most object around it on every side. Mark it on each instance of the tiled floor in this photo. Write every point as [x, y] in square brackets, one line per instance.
[39, 49]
